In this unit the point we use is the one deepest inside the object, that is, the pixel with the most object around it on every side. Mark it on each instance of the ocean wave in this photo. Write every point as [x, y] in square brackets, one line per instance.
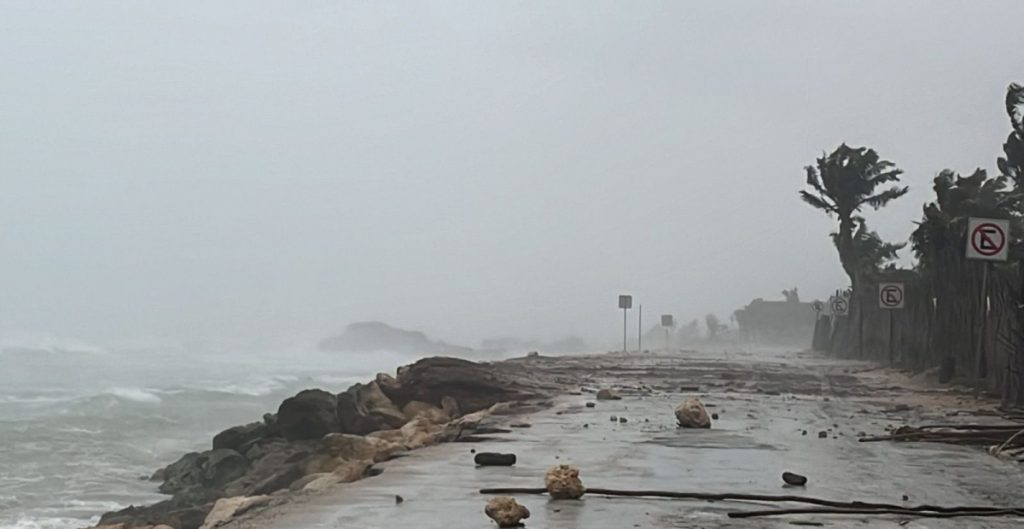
[15, 343]
[44, 522]
[135, 395]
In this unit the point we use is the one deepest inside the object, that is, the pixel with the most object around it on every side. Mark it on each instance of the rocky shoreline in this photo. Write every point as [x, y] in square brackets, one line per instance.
[318, 439]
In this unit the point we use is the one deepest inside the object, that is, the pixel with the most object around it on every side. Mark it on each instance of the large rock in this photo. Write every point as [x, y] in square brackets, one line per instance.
[202, 475]
[692, 414]
[506, 511]
[472, 386]
[278, 456]
[563, 483]
[417, 410]
[311, 414]
[355, 447]
[227, 508]
[280, 479]
[233, 438]
[364, 408]
[608, 394]
[419, 433]
[169, 512]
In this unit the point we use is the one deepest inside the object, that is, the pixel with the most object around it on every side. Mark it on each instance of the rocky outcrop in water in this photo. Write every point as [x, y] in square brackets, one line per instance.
[377, 336]
[318, 439]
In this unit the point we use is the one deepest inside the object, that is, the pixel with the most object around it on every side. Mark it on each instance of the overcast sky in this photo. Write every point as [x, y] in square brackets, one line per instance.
[251, 170]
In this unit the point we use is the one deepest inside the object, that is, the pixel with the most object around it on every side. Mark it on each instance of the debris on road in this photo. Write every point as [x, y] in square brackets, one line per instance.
[692, 414]
[795, 480]
[506, 511]
[608, 394]
[563, 483]
[494, 459]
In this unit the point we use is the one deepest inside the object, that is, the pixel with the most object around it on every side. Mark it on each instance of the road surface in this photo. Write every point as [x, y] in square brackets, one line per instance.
[765, 401]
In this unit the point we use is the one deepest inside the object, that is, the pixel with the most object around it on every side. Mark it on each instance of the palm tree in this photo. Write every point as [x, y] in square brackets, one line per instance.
[1012, 165]
[938, 243]
[841, 184]
[872, 252]
[940, 235]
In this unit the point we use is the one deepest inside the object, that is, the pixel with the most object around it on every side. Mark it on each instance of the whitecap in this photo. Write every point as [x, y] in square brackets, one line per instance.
[135, 395]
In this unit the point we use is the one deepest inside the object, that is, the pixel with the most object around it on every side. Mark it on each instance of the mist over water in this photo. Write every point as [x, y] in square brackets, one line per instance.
[81, 424]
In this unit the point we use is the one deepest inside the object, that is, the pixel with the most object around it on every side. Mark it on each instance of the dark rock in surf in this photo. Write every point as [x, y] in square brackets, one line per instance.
[311, 414]
[233, 438]
[470, 385]
[365, 408]
[206, 471]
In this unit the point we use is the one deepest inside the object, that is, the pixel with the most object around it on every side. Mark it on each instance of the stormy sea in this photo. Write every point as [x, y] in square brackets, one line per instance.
[82, 426]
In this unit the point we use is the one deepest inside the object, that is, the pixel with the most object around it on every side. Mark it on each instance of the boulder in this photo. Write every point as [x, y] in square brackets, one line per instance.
[364, 408]
[233, 438]
[278, 480]
[260, 477]
[227, 508]
[206, 471]
[450, 407]
[471, 385]
[417, 409]
[506, 511]
[169, 512]
[311, 414]
[563, 483]
[354, 447]
[608, 394]
[394, 436]
[421, 432]
[692, 414]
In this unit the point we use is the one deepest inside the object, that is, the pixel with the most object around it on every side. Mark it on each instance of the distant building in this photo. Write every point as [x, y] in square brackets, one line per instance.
[789, 322]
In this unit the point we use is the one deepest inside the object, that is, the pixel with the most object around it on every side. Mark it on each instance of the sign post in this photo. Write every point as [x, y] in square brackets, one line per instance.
[640, 330]
[667, 323]
[986, 241]
[840, 306]
[625, 303]
[891, 296]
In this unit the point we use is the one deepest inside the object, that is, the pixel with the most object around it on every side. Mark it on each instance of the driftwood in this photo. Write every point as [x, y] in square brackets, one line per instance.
[952, 512]
[1006, 436]
[835, 507]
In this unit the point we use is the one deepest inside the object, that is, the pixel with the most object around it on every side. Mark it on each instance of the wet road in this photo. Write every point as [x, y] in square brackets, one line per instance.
[765, 401]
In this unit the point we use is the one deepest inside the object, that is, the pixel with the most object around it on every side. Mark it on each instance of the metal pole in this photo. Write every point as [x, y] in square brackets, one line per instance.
[640, 331]
[624, 330]
[667, 348]
[860, 322]
[892, 356]
[982, 365]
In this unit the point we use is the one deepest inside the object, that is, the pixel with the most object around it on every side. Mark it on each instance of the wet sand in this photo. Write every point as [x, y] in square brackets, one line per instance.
[765, 401]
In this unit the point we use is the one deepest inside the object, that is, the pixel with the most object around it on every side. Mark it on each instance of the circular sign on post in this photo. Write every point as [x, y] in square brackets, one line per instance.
[840, 307]
[890, 295]
[818, 306]
[987, 239]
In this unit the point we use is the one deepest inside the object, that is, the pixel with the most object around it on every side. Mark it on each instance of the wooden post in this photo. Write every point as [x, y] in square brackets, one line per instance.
[982, 364]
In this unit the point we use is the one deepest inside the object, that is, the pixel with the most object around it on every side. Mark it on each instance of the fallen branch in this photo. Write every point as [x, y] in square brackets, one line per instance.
[951, 513]
[849, 505]
[1006, 443]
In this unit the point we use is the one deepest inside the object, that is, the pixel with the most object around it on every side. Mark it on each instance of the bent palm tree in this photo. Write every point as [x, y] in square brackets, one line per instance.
[844, 182]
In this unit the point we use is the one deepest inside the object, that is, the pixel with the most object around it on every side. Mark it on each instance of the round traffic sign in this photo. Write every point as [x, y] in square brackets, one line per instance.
[988, 239]
[891, 296]
[840, 306]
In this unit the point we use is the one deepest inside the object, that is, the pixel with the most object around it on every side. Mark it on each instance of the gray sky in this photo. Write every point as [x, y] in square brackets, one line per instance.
[226, 170]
